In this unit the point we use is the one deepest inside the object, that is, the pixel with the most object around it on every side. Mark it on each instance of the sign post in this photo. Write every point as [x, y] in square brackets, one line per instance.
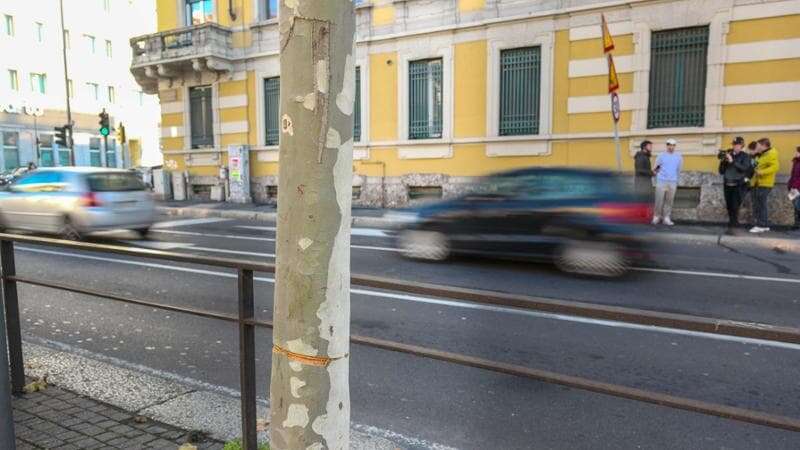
[613, 87]
[7, 440]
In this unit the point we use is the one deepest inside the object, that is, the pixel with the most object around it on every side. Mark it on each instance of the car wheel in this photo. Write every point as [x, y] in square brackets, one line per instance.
[600, 259]
[427, 245]
[69, 232]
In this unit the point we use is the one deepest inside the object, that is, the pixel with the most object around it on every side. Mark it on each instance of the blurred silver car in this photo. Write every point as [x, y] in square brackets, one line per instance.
[74, 201]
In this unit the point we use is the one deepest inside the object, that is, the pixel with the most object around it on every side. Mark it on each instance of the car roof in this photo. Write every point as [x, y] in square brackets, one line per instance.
[553, 171]
[82, 170]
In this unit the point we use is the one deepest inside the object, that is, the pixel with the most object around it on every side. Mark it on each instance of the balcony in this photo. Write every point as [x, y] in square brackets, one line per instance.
[174, 53]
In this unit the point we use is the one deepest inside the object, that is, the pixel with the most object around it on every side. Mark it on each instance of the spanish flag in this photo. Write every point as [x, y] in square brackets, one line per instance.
[613, 79]
[608, 42]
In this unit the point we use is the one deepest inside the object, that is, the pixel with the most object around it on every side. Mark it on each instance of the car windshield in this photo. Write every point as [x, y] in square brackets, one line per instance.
[115, 182]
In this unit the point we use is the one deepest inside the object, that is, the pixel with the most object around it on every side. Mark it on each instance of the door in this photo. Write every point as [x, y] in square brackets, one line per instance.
[33, 202]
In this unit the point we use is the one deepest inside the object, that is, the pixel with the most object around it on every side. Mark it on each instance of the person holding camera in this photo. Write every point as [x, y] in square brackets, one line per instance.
[736, 169]
[643, 176]
[763, 181]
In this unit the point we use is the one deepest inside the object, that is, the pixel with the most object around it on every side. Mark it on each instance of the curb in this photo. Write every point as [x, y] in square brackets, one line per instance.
[779, 244]
[175, 400]
[358, 221]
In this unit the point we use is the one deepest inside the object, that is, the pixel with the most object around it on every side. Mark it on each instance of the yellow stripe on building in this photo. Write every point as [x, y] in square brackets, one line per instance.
[769, 29]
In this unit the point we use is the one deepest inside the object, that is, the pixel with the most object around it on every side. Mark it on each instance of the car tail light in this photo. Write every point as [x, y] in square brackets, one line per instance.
[626, 212]
[90, 200]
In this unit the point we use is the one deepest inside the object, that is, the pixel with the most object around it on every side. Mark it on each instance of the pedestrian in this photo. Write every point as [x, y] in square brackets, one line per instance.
[643, 171]
[763, 181]
[794, 188]
[31, 166]
[668, 171]
[734, 166]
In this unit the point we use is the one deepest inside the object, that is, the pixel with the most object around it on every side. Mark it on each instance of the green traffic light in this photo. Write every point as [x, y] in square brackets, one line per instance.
[104, 131]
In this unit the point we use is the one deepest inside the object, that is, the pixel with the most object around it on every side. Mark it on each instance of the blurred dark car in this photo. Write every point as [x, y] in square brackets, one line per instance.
[585, 221]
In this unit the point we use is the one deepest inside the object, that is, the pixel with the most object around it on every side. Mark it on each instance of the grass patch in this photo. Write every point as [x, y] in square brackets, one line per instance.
[236, 444]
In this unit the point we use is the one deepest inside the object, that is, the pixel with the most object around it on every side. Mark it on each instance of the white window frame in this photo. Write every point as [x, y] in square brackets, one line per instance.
[11, 30]
[414, 51]
[187, 116]
[111, 93]
[94, 91]
[13, 80]
[91, 43]
[39, 30]
[261, 13]
[512, 41]
[182, 19]
[267, 68]
[109, 49]
[40, 75]
[362, 62]
[718, 22]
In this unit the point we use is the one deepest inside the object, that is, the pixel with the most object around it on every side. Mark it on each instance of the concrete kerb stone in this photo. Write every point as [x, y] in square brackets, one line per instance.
[759, 242]
[190, 405]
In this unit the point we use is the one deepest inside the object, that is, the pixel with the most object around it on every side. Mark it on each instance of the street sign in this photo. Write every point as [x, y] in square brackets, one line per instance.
[615, 108]
[608, 41]
[613, 78]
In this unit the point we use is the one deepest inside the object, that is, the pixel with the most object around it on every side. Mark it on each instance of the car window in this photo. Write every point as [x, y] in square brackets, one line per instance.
[565, 186]
[41, 181]
[114, 182]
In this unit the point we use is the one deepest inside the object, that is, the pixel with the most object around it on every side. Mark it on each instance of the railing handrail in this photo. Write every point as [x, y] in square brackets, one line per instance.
[172, 31]
[143, 253]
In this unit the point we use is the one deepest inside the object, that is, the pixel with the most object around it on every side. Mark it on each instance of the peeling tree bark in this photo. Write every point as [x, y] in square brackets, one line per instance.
[309, 390]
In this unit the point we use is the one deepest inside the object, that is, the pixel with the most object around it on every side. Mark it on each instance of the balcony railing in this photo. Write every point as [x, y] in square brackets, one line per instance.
[208, 40]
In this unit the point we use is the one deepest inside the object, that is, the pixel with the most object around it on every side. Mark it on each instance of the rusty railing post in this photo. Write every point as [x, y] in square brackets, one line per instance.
[7, 439]
[11, 303]
[247, 359]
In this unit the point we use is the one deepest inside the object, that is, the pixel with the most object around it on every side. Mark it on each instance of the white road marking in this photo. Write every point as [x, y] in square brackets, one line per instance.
[451, 303]
[263, 239]
[232, 252]
[370, 232]
[159, 245]
[718, 275]
[185, 222]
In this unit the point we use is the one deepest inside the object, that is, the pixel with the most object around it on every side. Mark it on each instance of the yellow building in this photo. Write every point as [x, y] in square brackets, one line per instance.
[453, 89]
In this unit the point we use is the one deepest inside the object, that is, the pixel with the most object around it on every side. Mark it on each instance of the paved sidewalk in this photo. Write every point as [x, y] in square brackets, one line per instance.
[59, 419]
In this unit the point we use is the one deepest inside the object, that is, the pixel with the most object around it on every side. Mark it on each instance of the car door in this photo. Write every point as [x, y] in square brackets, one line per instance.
[29, 202]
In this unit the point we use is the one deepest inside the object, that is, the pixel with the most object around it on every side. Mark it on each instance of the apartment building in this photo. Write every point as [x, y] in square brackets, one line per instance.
[33, 89]
[450, 90]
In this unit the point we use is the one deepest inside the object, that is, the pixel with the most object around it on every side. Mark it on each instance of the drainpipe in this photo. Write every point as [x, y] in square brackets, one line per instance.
[383, 179]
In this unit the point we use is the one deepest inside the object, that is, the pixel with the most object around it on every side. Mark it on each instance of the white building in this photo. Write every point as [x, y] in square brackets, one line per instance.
[33, 90]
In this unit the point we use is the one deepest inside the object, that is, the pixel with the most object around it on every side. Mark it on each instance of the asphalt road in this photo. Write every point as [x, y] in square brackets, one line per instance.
[444, 403]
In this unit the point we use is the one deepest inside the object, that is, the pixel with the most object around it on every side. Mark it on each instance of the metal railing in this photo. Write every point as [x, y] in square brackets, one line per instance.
[247, 323]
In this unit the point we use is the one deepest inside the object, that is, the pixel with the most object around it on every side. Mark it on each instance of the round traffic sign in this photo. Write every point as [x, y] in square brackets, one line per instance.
[615, 108]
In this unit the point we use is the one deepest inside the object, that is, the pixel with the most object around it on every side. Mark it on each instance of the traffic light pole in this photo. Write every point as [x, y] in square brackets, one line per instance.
[70, 143]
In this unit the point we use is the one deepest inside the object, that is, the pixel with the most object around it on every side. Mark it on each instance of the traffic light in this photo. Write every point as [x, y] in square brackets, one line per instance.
[105, 128]
[121, 133]
[63, 136]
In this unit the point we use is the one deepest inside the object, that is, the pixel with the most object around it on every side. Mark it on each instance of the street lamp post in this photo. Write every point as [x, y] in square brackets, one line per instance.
[7, 440]
[70, 143]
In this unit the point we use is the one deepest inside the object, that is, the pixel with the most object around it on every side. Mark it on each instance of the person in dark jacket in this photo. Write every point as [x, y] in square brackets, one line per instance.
[735, 167]
[643, 174]
[794, 183]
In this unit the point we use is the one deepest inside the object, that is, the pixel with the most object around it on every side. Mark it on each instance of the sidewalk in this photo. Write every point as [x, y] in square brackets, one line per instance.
[683, 233]
[97, 401]
[56, 418]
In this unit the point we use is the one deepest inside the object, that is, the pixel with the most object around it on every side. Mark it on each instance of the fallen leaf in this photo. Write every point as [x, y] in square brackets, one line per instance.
[187, 446]
[140, 419]
[262, 425]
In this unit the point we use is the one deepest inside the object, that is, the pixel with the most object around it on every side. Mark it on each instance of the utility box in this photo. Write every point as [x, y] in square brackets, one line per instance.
[162, 184]
[239, 174]
[179, 186]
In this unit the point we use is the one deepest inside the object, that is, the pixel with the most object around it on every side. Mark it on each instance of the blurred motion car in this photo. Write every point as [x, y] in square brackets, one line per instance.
[76, 201]
[585, 221]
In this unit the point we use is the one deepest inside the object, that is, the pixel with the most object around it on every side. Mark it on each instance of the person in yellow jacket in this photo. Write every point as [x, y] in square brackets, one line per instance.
[763, 181]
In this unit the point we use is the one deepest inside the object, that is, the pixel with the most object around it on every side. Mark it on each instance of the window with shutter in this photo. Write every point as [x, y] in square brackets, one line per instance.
[425, 100]
[678, 65]
[357, 108]
[272, 105]
[201, 116]
[520, 75]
